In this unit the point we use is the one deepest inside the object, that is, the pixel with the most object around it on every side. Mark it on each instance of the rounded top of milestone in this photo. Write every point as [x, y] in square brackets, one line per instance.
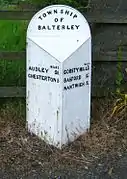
[58, 21]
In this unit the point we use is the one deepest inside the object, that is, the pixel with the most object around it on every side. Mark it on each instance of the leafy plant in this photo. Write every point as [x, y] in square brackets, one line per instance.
[121, 103]
[73, 3]
[3, 3]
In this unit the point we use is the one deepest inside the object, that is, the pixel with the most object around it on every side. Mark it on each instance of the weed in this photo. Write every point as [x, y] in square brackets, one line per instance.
[12, 38]
[120, 105]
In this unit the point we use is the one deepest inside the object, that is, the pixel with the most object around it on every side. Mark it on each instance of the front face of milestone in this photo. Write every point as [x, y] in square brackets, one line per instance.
[58, 74]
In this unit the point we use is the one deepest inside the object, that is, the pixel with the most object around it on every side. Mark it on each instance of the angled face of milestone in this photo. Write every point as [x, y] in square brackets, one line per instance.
[59, 27]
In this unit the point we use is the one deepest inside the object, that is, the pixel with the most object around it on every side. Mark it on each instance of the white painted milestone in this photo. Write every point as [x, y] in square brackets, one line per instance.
[58, 74]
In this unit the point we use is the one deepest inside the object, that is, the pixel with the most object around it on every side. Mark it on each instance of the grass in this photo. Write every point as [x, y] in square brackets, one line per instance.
[19, 150]
[12, 38]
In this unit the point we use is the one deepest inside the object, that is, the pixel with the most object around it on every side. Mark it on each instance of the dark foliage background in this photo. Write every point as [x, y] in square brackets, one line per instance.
[42, 3]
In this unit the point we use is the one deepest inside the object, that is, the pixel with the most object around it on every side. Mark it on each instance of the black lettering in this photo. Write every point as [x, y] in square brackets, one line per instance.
[55, 11]
[81, 84]
[43, 70]
[58, 27]
[76, 85]
[43, 28]
[48, 78]
[76, 69]
[44, 14]
[87, 82]
[44, 78]
[71, 13]
[70, 79]
[81, 69]
[61, 11]
[87, 66]
[48, 27]
[49, 12]
[70, 70]
[56, 72]
[64, 80]
[63, 27]
[30, 68]
[53, 27]
[75, 16]
[55, 67]
[39, 27]
[65, 88]
[65, 71]
[35, 68]
[73, 70]
[67, 12]
[87, 75]
[68, 28]
[72, 27]
[30, 75]
[70, 87]
[56, 19]
[75, 77]
[34, 76]
[54, 80]
[39, 77]
[77, 26]
[40, 17]
[61, 19]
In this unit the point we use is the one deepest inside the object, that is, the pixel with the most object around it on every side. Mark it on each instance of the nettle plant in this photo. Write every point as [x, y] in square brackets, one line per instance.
[121, 103]
[74, 3]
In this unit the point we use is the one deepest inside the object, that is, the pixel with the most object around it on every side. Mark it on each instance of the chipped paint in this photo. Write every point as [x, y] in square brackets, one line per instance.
[77, 130]
[50, 98]
[74, 135]
[57, 113]
[57, 144]
[67, 133]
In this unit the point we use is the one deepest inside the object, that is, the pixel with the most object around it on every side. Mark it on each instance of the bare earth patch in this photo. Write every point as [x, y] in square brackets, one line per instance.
[21, 152]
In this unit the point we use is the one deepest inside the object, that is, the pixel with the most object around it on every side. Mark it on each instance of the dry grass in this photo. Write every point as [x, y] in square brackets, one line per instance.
[23, 152]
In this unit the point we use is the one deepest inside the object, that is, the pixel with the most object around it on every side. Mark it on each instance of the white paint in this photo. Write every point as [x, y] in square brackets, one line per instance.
[54, 112]
[59, 47]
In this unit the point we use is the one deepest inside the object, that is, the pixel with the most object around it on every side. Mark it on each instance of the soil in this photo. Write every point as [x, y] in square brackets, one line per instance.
[100, 153]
